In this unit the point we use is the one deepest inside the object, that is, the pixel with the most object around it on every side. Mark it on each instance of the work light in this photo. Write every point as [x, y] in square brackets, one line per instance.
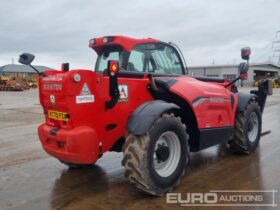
[92, 41]
[77, 77]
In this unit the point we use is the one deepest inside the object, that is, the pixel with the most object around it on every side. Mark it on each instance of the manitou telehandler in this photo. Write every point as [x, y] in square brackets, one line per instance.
[141, 101]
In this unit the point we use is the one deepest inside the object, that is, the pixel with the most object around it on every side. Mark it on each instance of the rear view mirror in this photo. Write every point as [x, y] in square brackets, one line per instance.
[243, 69]
[26, 58]
[245, 53]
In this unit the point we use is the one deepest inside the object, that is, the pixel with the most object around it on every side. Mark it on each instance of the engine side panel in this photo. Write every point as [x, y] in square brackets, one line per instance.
[213, 105]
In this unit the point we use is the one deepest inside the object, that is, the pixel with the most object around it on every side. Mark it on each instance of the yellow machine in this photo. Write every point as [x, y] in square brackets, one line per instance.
[276, 82]
[32, 84]
[257, 83]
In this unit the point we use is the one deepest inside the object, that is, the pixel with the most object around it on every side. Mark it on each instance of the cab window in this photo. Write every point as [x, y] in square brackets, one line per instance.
[136, 61]
[155, 58]
[106, 54]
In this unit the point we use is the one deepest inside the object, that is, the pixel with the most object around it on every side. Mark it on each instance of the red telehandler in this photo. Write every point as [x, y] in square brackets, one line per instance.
[141, 101]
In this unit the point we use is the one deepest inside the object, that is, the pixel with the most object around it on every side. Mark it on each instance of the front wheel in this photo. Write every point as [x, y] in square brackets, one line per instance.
[155, 162]
[247, 129]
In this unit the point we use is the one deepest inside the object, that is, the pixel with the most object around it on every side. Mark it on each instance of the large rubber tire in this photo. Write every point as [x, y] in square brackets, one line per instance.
[246, 141]
[141, 152]
[75, 166]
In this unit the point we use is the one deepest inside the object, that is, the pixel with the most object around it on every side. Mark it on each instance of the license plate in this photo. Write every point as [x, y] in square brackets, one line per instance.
[58, 115]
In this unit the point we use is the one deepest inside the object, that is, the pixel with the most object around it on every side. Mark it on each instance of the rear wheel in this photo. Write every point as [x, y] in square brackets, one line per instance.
[247, 129]
[155, 162]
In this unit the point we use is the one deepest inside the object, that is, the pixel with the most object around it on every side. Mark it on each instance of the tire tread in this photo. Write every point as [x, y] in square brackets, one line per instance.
[134, 151]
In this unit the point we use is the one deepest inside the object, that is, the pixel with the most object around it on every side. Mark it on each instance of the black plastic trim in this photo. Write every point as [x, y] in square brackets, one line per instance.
[145, 115]
[53, 131]
[113, 89]
[166, 82]
[243, 100]
[209, 137]
[210, 79]
[110, 126]
[133, 74]
[232, 101]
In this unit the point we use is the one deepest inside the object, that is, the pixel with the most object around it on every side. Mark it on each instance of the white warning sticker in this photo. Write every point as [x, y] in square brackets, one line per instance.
[84, 99]
[85, 95]
[123, 92]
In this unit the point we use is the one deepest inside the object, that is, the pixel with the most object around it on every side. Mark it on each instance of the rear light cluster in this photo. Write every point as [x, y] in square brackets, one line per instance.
[92, 41]
[113, 67]
[108, 39]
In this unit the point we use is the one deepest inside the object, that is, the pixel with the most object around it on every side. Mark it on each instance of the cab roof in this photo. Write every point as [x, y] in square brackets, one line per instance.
[127, 43]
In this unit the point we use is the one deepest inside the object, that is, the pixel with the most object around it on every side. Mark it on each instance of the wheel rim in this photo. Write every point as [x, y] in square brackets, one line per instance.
[167, 153]
[253, 127]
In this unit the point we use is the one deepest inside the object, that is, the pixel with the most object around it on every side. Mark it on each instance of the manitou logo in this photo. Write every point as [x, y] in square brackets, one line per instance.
[57, 87]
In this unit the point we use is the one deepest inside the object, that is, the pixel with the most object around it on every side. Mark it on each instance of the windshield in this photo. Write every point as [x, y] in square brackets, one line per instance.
[155, 58]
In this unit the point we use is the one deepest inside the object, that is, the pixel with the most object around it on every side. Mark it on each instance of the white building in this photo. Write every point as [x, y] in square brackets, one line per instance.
[256, 71]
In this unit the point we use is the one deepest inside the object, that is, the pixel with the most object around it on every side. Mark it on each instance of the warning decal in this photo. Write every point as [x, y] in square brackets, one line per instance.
[85, 90]
[123, 89]
[85, 96]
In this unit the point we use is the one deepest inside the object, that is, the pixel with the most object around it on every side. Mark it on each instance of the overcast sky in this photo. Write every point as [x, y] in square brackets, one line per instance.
[58, 31]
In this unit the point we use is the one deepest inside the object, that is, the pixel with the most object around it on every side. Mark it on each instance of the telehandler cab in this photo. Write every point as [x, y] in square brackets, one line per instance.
[141, 101]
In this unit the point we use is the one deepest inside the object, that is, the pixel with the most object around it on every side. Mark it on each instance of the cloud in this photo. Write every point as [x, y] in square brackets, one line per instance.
[58, 31]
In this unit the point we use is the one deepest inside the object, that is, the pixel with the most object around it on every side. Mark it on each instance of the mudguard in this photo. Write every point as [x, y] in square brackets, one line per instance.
[243, 100]
[145, 115]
